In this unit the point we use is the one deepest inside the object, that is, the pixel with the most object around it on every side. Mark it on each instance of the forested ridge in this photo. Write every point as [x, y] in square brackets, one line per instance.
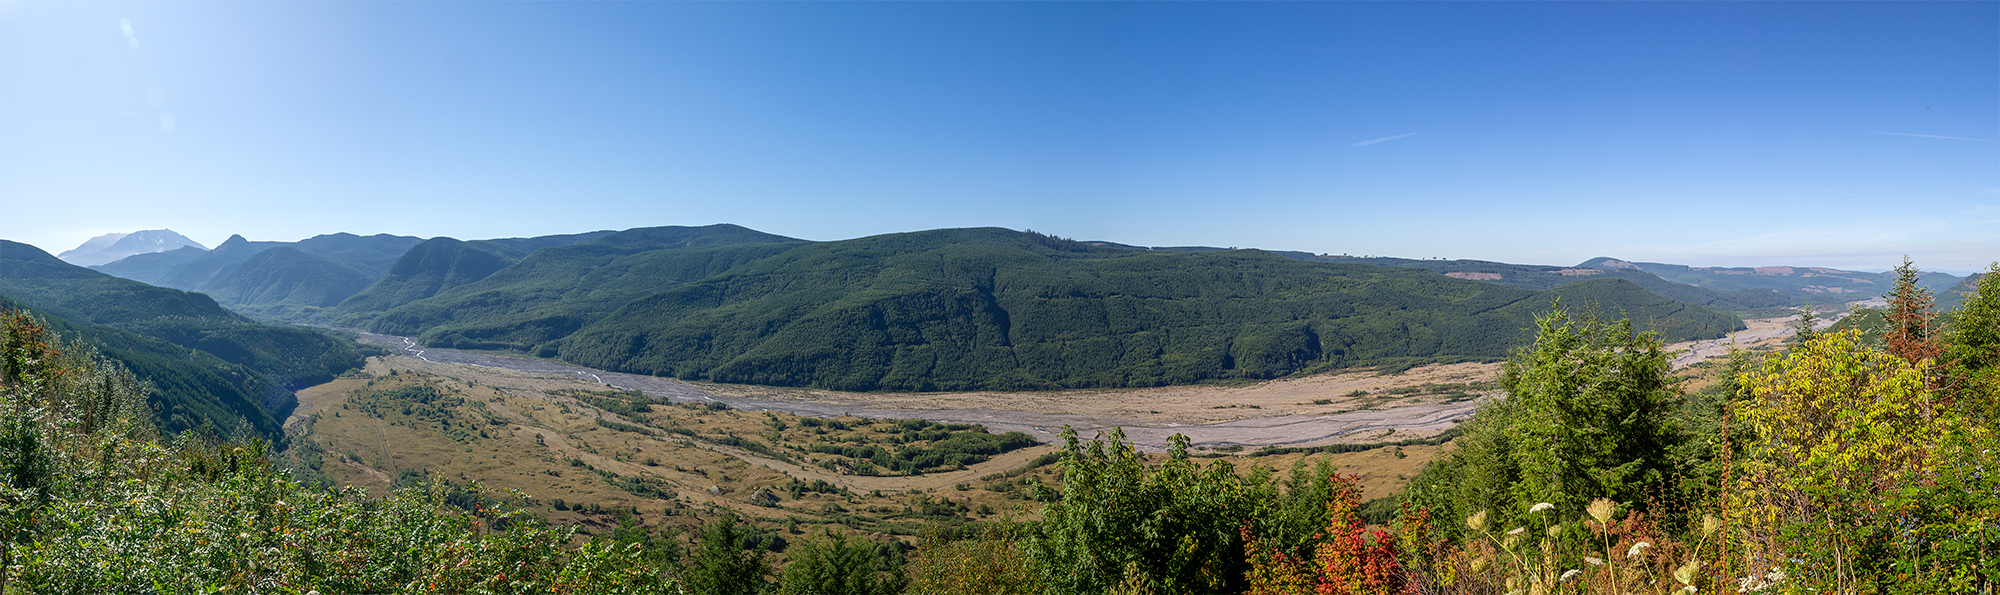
[997, 309]
[961, 309]
[210, 368]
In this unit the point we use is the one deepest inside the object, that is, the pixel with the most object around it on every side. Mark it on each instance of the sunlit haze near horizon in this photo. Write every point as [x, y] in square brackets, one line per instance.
[1712, 133]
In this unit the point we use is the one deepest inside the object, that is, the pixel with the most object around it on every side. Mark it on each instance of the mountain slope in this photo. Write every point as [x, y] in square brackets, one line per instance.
[424, 270]
[194, 274]
[283, 281]
[150, 268]
[439, 264]
[191, 389]
[556, 290]
[996, 309]
[236, 364]
[1952, 297]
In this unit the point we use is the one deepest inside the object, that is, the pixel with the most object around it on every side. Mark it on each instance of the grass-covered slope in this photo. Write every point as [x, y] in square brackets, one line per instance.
[997, 309]
[210, 364]
[555, 291]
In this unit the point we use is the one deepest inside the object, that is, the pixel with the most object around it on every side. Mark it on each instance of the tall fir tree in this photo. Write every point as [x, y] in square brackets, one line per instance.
[1909, 335]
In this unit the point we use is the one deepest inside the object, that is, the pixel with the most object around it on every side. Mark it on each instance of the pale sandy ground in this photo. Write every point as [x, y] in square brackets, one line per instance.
[1761, 332]
[1278, 412]
[1358, 405]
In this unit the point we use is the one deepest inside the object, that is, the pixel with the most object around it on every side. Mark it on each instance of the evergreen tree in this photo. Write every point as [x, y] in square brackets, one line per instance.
[1909, 334]
[1589, 414]
[832, 565]
[721, 566]
[1595, 404]
[1802, 328]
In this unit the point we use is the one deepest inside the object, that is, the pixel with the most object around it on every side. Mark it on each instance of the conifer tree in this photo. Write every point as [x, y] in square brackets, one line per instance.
[832, 565]
[720, 565]
[1595, 404]
[1909, 335]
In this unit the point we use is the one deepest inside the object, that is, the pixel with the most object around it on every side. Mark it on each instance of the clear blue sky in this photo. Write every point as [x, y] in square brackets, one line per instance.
[1707, 133]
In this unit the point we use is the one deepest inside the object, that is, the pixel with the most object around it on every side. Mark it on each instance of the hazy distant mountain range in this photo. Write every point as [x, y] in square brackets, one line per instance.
[1814, 284]
[951, 309]
[280, 280]
[113, 246]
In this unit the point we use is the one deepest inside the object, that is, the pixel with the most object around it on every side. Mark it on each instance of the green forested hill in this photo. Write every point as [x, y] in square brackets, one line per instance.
[998, 309]
[435, 265]
[284, 280]
[209, 364]
[555, 291]
[440, 264]
[90, 297]
[1949, 298]
[191, 388]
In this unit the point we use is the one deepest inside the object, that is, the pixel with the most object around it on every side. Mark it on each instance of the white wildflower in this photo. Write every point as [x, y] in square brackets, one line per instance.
[1517, 531]
[1541, 506]
[1569, 575]
[1593, 561]
[1637, 548]
[1601, 509]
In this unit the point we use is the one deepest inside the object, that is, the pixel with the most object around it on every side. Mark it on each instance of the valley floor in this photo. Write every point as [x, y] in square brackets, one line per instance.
[1345, 407]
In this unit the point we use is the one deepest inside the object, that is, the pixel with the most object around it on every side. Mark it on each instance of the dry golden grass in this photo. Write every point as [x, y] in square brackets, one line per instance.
[551, 447]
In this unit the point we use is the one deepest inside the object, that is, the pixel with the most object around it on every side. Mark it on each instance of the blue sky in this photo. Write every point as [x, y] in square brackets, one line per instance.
[1707, 133]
